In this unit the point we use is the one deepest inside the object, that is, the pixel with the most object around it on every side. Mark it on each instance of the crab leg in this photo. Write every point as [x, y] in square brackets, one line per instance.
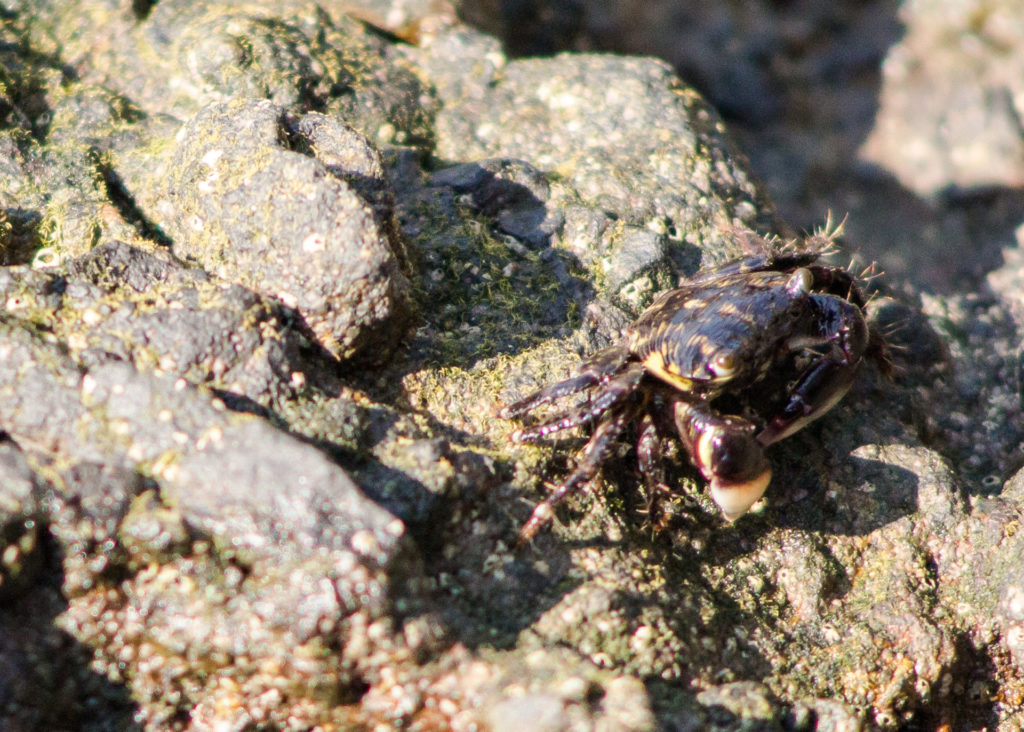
[598, 368]
[648, 452]
[651, 464]
[594, 454]
[617, 389]
[727, 454]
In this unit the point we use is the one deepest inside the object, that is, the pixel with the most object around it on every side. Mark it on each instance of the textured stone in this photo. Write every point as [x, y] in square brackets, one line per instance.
[254, 212]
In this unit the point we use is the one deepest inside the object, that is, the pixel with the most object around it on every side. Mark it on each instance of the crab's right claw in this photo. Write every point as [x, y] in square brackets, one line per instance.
[826, 381]
[736, 469]
[728, 455]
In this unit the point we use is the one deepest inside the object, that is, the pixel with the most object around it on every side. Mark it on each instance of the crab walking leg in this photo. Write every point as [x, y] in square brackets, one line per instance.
[727, 453]
[648, 452]
[594, 453]
[649, 459]
[827, 380]
[614, 391]
[595, 370]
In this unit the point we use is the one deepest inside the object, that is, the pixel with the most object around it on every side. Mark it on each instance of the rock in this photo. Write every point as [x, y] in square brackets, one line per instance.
[526, 113]
[511, 192]
[541, 712]
[137, 418]
[21, 512]
[287, 538]
[242, 485]
[148, 309]
[256, 213]
[948, 111]
[742, 700]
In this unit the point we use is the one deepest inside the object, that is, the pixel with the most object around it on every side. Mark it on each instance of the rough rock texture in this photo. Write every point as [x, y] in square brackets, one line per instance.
[268, 273]
[290, 226]
[953, 91]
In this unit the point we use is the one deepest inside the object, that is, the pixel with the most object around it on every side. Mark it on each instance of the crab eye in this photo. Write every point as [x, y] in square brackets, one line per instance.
[724, 364]
[800, 282]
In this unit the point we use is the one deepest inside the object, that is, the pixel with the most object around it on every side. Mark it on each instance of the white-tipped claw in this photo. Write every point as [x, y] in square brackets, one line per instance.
[735, 499]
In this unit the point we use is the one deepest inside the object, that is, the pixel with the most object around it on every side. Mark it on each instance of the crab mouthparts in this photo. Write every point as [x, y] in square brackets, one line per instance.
[736, 497]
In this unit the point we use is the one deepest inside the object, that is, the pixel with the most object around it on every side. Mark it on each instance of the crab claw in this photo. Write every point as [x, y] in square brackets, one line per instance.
[728, 455]
[735, 499]
[736, 469]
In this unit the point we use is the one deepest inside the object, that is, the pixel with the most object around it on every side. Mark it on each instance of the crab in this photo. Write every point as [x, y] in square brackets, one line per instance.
[735, 359]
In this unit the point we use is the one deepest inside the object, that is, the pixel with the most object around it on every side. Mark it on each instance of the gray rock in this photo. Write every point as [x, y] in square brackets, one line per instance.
[136, 419]
[541, 712]
[949, 114]
[526, 113]
[256, 213]
[148, 309]
[511, 192]
[637, 268]
[314, 548]
[21, 517]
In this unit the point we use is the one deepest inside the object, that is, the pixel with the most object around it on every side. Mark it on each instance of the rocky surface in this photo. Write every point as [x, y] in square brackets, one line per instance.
[269, 273]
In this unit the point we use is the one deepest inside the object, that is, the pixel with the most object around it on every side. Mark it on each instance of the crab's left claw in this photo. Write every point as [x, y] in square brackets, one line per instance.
[728, 455]
[841, 326]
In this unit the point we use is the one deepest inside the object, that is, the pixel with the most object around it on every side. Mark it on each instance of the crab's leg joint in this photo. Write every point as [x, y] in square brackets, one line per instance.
[595, 370]
[594, 454]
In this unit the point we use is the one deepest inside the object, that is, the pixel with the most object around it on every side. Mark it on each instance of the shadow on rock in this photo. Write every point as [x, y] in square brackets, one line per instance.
[47, 677]
[865, 494]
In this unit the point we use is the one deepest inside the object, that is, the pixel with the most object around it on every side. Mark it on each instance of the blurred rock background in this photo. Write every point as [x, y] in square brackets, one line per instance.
[906, 115]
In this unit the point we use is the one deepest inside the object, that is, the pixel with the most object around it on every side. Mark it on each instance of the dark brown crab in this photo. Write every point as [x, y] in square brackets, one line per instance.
[774, 317]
